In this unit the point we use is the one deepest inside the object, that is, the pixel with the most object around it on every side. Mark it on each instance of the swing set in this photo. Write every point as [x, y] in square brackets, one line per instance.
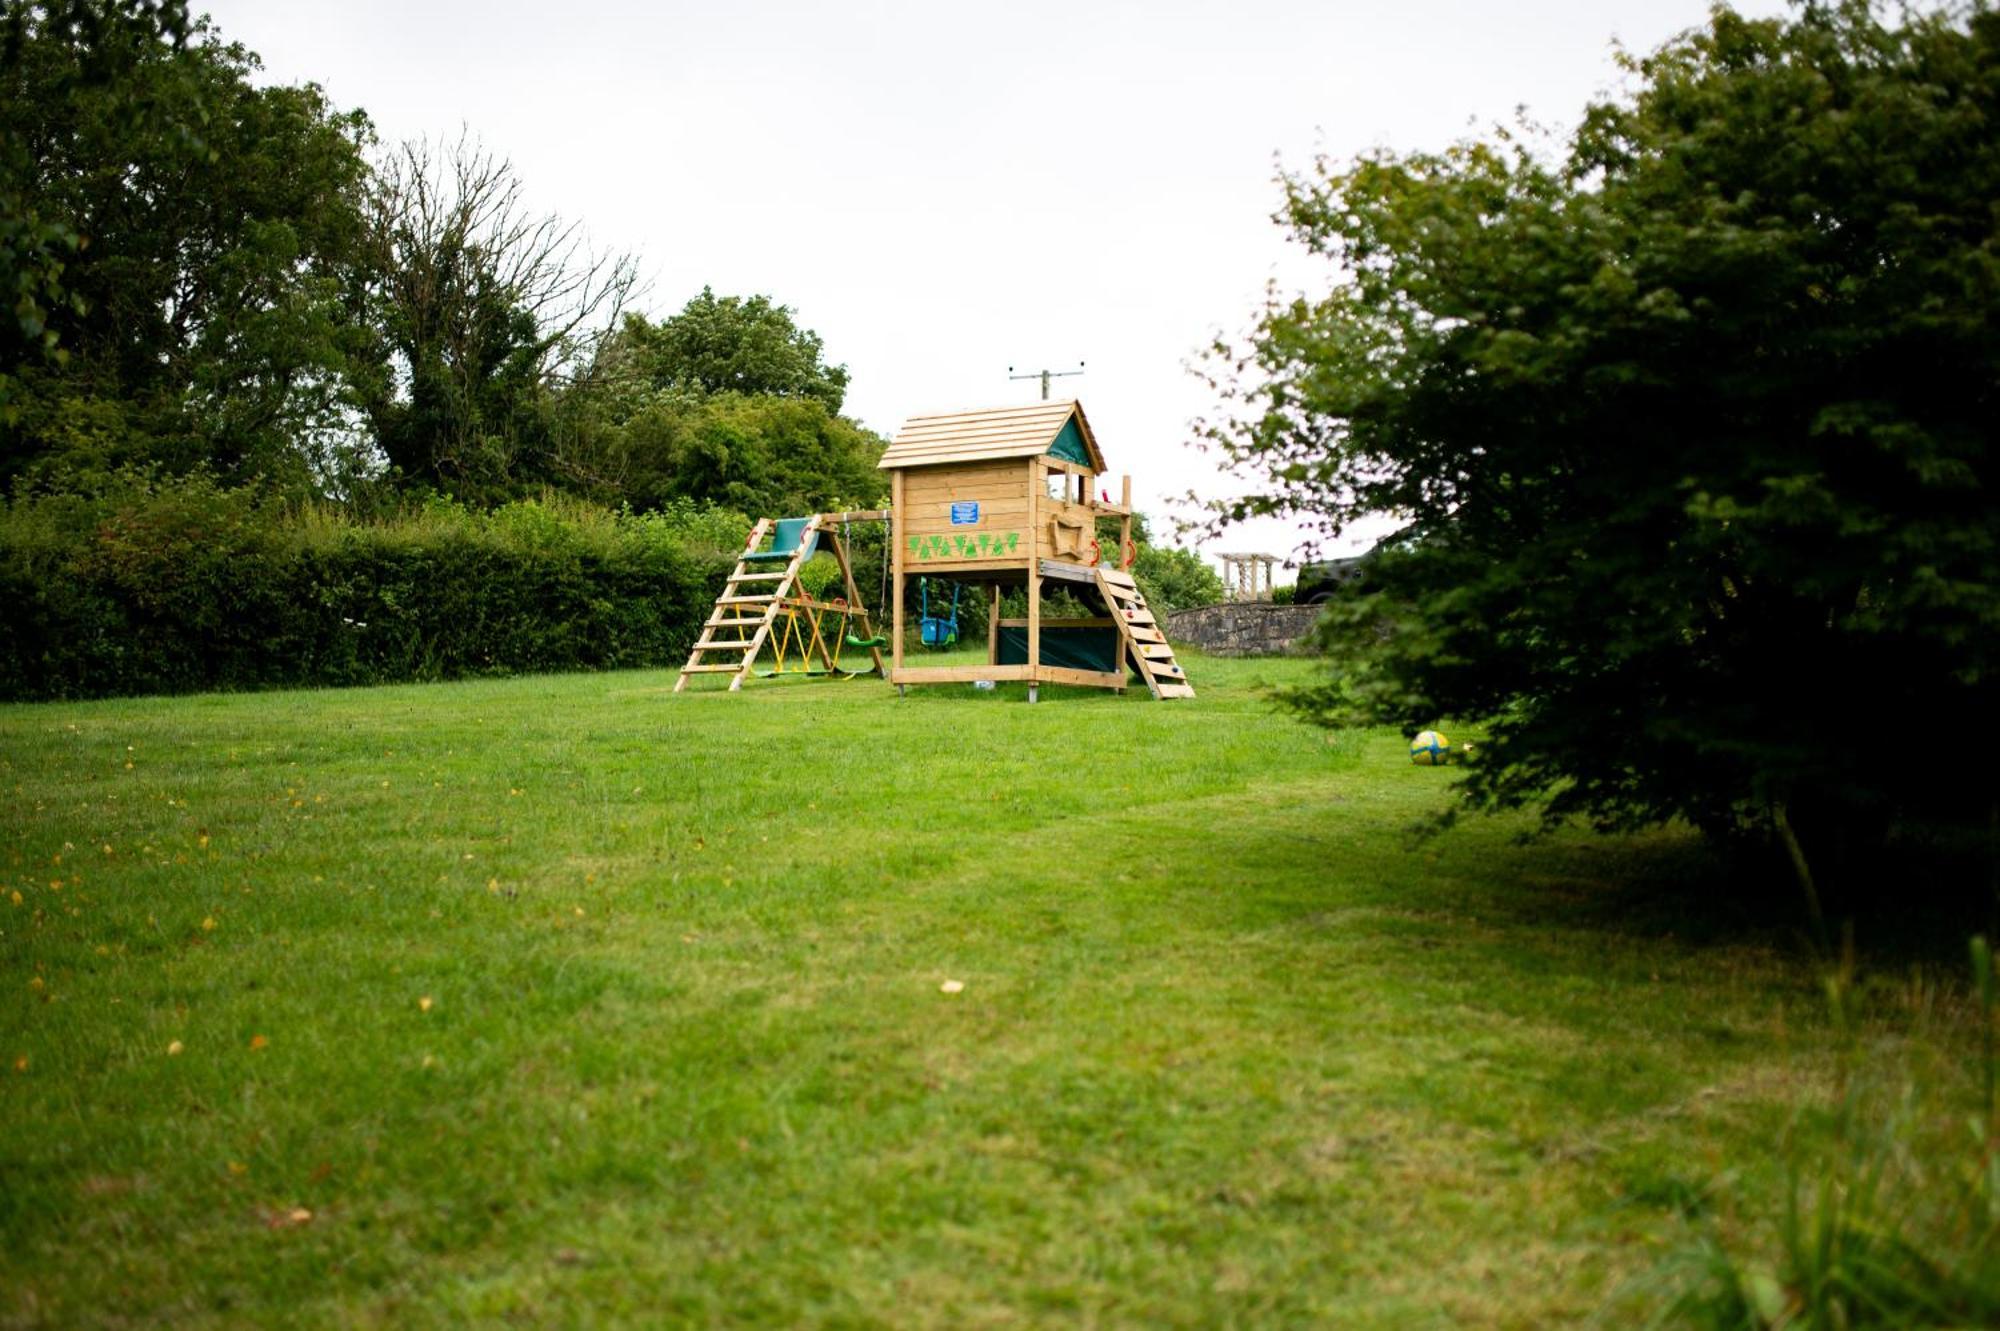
[766, 623]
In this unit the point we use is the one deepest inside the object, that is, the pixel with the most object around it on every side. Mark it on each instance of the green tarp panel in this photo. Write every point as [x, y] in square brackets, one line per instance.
[1068, 648]
[1069, 444]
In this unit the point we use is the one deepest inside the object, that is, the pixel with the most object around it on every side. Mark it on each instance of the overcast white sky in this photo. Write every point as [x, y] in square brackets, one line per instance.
[943, 190]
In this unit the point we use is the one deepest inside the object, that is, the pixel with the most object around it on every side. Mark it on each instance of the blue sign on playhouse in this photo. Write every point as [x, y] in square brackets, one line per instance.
[965, 514]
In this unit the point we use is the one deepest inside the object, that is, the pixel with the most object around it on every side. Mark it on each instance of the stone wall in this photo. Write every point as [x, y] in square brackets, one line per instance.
[1241, 628]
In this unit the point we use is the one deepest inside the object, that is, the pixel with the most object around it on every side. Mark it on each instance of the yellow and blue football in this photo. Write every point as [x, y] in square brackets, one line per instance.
[1430, 749]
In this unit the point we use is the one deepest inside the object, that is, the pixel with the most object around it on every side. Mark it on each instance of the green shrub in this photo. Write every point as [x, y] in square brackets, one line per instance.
[166, 587]
[820, 576]
[1175, 579]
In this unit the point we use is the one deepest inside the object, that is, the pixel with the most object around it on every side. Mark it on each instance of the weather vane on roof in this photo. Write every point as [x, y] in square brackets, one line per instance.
[1045, 376]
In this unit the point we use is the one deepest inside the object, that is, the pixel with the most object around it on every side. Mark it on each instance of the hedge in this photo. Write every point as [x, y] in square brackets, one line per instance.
[182, 586]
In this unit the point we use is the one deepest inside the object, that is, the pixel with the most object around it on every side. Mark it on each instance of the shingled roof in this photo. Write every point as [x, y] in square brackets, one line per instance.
[995, 432]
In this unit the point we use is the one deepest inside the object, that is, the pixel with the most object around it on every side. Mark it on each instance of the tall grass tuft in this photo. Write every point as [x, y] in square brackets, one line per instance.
[1892, 1214]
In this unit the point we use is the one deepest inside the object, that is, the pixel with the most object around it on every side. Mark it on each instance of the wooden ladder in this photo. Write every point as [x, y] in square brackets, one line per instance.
[745, 610]
[1141, 635]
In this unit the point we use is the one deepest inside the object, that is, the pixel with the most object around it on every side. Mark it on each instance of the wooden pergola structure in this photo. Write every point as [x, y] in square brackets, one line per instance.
[1247, 577]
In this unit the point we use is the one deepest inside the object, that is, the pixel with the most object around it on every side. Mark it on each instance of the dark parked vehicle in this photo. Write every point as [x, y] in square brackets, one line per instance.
[1320, 580]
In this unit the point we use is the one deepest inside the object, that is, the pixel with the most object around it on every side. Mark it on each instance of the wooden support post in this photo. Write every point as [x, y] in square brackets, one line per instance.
[1034, 625]
[1037, 486]
[898, 515]
[993, 627]
[1125, 527]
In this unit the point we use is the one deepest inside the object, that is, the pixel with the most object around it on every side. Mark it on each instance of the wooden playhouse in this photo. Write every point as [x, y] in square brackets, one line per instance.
[1008, 497]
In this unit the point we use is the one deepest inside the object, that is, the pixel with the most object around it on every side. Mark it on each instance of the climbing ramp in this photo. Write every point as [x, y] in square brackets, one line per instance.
[1152, 655]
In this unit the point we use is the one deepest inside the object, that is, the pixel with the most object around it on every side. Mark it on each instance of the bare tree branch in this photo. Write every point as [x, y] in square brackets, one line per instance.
[473, 283]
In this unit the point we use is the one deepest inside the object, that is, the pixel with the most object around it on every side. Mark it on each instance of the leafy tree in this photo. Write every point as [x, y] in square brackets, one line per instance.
[173, 240]
[727, 402]
[1692, 422]
[770, 455]
[734, 344]
[81, 48]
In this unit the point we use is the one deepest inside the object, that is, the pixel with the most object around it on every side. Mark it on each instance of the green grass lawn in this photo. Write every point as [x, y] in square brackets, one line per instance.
[564, 1000]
